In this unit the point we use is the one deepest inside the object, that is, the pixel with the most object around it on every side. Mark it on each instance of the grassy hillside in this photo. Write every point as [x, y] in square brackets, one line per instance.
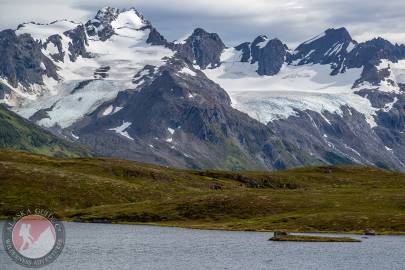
[100, 189]
[20, 134]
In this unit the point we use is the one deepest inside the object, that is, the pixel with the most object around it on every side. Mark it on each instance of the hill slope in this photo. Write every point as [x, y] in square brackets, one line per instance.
[109, 190]
[21, 134]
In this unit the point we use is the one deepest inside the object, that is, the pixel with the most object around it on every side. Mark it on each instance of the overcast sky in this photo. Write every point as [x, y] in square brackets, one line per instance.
[235, 21]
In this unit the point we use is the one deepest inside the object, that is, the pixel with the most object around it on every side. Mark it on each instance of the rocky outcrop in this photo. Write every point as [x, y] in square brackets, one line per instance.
[280, 233]
[203, 48]
[372, 51]
[368, 231]
[100, 26]
[270, 57]
[55, 40]
[22, 61]
[77, 46]
[155, 38]
[269, 54]
[331, 48]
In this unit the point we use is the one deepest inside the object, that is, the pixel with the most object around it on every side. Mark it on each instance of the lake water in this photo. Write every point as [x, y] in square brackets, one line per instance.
[105, 246]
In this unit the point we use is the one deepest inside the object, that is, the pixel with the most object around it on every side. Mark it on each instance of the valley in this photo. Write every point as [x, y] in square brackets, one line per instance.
[317, 199]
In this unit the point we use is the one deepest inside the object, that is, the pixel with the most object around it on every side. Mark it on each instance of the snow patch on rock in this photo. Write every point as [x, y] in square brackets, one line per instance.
[186, 70]
[121, 129]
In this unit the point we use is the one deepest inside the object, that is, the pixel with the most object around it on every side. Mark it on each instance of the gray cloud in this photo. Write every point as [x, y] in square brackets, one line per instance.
[235, 20]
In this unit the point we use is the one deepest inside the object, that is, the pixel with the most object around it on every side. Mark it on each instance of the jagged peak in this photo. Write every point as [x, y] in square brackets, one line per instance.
[197, 33]
[261, 38]
[109, 14]
[338, 33]
[108, 10]
[379, 41]
[331, 34]
[260, 41]
[109, 21]
[200, 32]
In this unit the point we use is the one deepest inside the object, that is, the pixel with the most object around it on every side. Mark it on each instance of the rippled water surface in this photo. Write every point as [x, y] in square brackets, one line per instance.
[105, 246]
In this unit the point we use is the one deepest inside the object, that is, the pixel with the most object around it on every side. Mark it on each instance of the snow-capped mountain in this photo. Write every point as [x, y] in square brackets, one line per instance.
[90, 66]
[114, 83]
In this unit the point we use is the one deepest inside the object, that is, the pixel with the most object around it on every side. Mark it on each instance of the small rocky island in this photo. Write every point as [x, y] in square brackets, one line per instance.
[284, 236]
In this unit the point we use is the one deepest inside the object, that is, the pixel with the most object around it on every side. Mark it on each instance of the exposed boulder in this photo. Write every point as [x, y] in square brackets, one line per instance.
[369, 231]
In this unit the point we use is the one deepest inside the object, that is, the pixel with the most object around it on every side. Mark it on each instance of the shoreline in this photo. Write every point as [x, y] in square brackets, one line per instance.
[213, 228]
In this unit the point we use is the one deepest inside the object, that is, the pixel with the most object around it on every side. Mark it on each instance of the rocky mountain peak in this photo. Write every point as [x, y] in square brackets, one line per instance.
[269, 54]
[339, 34]
[372, 51]
[202, 48]
[109, 19]
[107, 14]
[199, 35]
[330, 47]
[259, 40]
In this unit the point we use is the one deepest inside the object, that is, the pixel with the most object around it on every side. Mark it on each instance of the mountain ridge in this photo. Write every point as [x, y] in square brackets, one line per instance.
[344, 99]
[20, 134]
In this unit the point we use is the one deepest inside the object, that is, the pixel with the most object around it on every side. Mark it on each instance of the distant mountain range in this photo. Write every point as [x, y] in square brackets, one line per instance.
[118, 86]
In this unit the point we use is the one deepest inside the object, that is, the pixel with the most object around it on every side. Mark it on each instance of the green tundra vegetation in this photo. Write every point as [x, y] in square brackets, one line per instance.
[321, 199]
[20, 134]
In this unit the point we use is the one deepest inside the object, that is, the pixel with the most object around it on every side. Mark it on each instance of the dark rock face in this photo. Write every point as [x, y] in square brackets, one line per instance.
[330, 48]
[155, 38]
[391, 122]
[186, 121]
[77, 47]
[21, 59]
[270, 56]
[55, 40]
[246, 53]
[372, 75]
[372, 51]
[41, 114]
[101, 72]
[4, 91]
[369, 55]
[101, 25]
[341, 52]
[203, 48]
[346, 138]
[377, 98]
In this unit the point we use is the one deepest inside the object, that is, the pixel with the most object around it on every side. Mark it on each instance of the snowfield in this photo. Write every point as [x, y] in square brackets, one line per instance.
[124, 54]
[267, 98]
